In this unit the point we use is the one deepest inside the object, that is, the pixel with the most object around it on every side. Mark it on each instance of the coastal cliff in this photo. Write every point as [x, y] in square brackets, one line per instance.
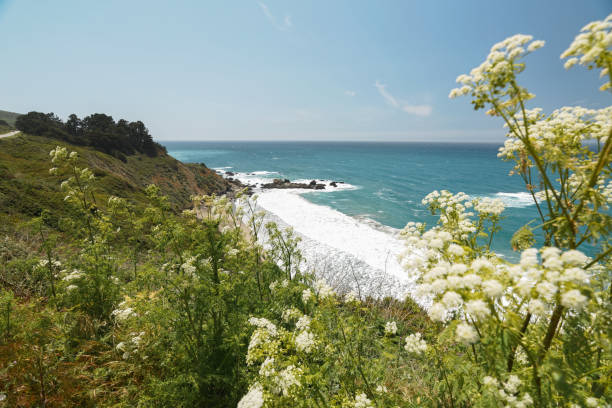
[27, 188]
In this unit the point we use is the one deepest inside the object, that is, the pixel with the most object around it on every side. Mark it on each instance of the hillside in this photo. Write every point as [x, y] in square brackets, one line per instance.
[9, 117]
[27, 188]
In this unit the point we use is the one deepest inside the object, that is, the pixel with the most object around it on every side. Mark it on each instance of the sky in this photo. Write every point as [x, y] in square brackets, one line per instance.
[284, 70]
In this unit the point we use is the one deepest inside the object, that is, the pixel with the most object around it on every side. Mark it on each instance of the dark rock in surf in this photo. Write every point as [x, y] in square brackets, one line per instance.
[284, 184]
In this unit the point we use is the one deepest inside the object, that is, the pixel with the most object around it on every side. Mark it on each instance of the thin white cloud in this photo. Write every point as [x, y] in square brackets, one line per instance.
[284, 25]
[266, 11]
[350, 93]
[382, 89]
[418, 110]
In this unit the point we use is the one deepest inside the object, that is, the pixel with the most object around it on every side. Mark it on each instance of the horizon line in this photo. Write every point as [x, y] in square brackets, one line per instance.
[326, 141]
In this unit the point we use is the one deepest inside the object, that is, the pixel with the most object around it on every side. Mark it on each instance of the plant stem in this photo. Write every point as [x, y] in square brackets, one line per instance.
[552, 329]
[522, 332]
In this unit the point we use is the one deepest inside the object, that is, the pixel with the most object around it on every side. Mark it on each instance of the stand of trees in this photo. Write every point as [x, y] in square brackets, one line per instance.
[97, 130]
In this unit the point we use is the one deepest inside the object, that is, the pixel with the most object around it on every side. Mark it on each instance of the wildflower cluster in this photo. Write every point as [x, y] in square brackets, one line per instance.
[130, 346]
[415, 344]
[252, 399]
[592, 48]
[489, 206]
[298, 360]
[496, 75]
[508, 392]
[529, 316]
[458, 231]
[269, 346]
[551, 151]
[391, 328]
[123, 312]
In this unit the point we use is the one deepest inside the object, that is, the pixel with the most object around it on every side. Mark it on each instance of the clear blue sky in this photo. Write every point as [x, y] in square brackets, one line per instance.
[283, 70]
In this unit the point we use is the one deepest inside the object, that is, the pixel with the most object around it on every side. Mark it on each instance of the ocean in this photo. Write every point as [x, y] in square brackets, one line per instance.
[383, 185]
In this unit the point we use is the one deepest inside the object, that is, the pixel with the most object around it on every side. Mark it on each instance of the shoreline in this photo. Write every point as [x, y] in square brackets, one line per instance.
[350, 253]
[340, 266]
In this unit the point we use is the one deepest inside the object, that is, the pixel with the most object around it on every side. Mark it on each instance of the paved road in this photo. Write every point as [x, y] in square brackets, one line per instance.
[9, 134]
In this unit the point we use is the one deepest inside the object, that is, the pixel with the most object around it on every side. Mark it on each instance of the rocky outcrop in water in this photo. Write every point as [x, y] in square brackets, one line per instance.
[285, 183]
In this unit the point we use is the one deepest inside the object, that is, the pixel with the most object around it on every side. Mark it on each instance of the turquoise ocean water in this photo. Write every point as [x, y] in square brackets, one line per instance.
[390, 178]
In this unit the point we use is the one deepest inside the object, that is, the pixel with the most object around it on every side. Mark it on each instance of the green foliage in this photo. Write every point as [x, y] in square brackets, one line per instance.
[97, 130]
[522, 239]
[28, 190]
[120, 300]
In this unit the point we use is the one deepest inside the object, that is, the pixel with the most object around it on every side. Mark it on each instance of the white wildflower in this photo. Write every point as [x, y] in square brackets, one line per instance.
[458, 268]
[323, 289]
[592, 402]
[264, 323]
[267, 367]
[481, 263]
[478, 309]
[490, 382]
[381, 389]
[290, 314]
[574, 299]
[362, 401]
[574, 258]
[492, 288]
[390, 328]
[454, 282]
[548, 252]
[252, 399]
[436, 243]
[529, 258]
[577, 275]
[570, 63]
[535, 45]
[287, 378]
[470, 281]
[537, 307]
[466, 334]
[437, 312]
[75, 274]
[546, 289]
[455, 249]
[415, 344]
[452, 299]
[303, 323]
[123, 314]
[439, 285]
[512, 384]
[305, 341]
[306, 295]
[488, 205]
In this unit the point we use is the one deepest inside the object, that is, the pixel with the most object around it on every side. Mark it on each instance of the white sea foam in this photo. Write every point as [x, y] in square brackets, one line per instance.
[253, 178]
[515, 200]
[259, 177]
[349, 253]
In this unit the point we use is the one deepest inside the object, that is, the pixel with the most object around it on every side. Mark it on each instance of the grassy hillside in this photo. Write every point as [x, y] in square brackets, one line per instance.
[106, 304]
[9, 117]
[27, 188]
